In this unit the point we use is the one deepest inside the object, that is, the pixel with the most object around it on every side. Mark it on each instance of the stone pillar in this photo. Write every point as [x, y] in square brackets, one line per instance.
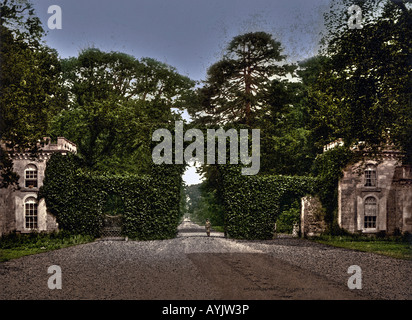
[275, 234]
[7, 216]
[312, 219]
[295, 230]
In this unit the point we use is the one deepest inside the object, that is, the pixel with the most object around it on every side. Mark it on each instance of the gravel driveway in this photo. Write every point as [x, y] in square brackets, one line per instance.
[193, 266]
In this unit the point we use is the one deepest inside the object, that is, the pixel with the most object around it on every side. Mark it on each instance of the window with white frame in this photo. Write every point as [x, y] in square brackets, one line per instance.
[30, 213]
[30, 176]
[370, 175]
[370, 213]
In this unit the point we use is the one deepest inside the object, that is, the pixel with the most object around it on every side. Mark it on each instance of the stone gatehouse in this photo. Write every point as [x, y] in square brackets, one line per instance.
[376, 195]
[20, 209]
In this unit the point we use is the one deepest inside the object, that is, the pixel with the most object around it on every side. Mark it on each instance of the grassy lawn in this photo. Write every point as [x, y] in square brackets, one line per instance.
[14, 246]
[395, 248]
[218, 228]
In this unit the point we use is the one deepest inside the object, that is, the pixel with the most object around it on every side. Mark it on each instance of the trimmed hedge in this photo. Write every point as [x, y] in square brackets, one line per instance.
[78, 200]
[253, 203]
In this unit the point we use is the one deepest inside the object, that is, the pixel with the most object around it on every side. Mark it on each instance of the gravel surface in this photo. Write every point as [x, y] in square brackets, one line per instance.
[382, 277]
[194, 266]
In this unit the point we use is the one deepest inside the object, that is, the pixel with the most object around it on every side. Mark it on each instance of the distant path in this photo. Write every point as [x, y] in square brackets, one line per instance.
[194, 266]
[190, 229]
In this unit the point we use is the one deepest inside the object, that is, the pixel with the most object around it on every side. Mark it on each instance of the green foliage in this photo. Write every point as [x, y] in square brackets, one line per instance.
[29, 79]
[286, 146]
[238, 86]
[395, 246]
[253, 203]
[204, 204]
[16, 245]
[149, 204]
[30, 91]
[8, 176]
[18, 16]
[37, 240]
[98, 76]
[288, 217]
[115, 102]
[363, 92]
[111, 137]
[328, 168]
[248, 87]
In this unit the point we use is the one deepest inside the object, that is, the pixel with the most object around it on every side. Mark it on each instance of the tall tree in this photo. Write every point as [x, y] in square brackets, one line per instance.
[29, 86]
[95, 76]
[115, 101]
[236, 88]
[364, 90]
[29, 81]
[286, 142]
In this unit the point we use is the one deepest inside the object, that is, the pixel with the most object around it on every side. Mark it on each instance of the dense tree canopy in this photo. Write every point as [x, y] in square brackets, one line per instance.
[29, 79]
[30, 93]
[115, 102]
[364, 90]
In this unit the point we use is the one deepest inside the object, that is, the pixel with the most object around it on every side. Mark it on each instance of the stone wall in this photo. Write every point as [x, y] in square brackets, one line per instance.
[400, 213]
[347, 207]
[7, 216]
[312, 219]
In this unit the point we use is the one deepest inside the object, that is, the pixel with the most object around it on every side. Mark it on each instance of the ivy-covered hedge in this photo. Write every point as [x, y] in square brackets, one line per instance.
[149, 204]
[253, 203]
[328, 168]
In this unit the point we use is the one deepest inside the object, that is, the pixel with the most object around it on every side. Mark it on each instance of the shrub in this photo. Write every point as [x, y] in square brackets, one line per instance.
[287, 218]
[253, 203]
[149, 204]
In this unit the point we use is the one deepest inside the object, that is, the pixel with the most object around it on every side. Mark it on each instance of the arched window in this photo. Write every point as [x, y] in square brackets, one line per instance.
[371, 210]
[30, 213]
[30, 176]
[370, 176]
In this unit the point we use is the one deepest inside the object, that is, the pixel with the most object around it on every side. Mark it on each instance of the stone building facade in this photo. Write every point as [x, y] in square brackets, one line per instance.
[376, 196]
[20, 209]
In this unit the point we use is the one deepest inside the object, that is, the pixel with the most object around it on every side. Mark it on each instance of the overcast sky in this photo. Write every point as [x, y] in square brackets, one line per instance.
[189, 35]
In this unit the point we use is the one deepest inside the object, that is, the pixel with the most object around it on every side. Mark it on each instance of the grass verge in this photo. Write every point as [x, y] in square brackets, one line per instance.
[399, 248]
[13, 246]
